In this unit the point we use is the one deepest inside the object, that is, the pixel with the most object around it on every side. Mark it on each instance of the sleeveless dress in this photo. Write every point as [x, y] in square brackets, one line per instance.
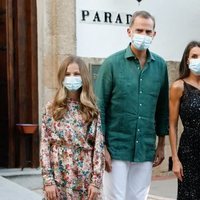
[189, 147]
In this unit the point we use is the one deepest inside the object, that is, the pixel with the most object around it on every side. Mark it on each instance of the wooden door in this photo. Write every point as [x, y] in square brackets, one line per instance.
[18, 78]
[3, 87]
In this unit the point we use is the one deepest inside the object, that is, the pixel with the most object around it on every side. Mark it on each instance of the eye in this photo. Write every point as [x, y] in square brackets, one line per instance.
[138, 30]
[194, 56]
[77, 74]
[149, 32]
[67, 74]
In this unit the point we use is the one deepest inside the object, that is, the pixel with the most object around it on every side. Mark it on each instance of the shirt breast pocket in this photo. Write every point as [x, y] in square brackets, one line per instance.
[154, 87]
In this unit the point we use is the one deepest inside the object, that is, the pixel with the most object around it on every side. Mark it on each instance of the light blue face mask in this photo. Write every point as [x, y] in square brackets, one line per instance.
[141, 42]
[194, 66]
[72, 83]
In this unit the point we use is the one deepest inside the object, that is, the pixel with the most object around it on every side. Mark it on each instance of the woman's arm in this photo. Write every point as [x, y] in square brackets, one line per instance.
[47, 173]
[176, 92]
[98, 156]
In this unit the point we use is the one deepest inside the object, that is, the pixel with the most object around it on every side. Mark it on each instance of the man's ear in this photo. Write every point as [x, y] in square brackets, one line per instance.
[129, 31]
[154, 34]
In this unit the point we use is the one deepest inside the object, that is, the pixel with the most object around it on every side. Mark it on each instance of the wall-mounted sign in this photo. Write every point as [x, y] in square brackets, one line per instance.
[104, 17]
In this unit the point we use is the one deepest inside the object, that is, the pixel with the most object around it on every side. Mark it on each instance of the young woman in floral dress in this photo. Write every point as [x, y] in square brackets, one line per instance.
[72, 150]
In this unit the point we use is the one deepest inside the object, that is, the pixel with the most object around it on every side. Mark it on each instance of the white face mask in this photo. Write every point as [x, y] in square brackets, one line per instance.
[141, 42]
[194, 66]
[72, 83]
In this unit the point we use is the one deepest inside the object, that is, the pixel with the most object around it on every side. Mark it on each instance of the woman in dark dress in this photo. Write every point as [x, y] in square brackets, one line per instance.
[185, 101]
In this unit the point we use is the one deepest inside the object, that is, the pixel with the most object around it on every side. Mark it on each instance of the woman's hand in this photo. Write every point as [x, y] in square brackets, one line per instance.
[51, 192]
[178, 169]
[108, 161]
[92, 192]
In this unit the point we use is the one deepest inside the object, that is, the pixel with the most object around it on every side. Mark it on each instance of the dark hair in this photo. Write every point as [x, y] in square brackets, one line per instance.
[143, 14]
[183, 67]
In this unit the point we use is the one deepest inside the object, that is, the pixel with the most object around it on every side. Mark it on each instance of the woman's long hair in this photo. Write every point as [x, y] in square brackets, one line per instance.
[184, 70]
[87, 98]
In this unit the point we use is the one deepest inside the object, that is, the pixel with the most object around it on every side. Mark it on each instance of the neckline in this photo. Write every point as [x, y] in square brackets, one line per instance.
[191, 85]
[70, 100]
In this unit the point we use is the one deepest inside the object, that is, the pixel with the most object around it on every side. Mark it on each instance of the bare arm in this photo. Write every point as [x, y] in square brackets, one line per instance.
[176, 92]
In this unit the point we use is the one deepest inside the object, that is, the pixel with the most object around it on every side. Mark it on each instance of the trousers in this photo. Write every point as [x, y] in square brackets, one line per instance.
[127, 181]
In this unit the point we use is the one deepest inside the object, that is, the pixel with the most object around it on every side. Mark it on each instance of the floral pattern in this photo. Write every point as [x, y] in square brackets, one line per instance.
[71, 153]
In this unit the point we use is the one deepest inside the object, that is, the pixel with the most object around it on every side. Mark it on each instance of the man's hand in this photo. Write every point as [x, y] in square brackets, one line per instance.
[108, 161]
[51, 192]
[92, 192]
[159, 157]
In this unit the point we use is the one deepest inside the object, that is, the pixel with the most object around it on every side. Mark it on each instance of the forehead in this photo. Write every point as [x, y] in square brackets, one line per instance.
[73, 67]
[141, 22]
[195, 51]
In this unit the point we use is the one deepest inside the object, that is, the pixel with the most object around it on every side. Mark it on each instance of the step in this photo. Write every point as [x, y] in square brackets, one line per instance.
[12, 191]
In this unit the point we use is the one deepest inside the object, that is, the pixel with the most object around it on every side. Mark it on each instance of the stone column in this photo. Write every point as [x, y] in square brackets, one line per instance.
[56, 39]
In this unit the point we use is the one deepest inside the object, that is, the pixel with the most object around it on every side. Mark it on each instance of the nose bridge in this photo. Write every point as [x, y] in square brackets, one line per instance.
[144, 32]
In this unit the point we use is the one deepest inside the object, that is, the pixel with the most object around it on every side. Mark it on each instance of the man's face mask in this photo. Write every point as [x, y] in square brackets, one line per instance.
[194, 66]
[72, 83]
[141, 42]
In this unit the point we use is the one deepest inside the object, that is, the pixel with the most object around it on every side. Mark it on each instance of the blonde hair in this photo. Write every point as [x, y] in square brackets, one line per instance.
[88, 106]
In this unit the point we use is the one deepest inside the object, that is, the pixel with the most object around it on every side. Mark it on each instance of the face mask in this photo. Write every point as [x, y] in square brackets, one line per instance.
[72, 83]
[141, 42]
[194, 66]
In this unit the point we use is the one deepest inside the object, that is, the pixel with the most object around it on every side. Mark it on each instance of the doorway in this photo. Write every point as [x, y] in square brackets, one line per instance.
[18, 78]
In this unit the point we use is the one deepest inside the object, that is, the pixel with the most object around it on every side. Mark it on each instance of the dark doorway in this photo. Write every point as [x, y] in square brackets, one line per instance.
[18, 78]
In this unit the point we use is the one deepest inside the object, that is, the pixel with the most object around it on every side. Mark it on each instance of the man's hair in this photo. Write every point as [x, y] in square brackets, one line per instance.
[142, 14]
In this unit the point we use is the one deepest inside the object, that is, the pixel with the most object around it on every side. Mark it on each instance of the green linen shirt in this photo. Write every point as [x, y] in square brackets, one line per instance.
[133, 104]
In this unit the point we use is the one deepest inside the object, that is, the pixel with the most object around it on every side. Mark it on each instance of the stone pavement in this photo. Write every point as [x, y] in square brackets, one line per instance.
[26, 185]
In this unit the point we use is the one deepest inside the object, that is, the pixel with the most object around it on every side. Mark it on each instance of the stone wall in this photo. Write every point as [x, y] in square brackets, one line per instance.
[56, 39]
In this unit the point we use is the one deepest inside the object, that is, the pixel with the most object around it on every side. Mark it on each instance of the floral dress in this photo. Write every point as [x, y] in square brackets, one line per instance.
[71, 153]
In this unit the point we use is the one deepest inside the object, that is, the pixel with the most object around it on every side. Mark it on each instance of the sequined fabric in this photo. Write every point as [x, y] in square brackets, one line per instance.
[189, 147]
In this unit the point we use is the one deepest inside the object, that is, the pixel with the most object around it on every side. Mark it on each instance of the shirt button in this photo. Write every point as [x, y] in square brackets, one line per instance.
[139, 117]
[140, 104]
[137, 141]
[140, 92]
[138, 130]
[141, 79]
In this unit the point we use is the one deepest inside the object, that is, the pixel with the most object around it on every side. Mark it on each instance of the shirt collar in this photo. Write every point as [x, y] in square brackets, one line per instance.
[130, 54]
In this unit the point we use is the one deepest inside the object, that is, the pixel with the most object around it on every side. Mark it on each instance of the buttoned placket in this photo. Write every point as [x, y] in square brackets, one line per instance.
[140, 105]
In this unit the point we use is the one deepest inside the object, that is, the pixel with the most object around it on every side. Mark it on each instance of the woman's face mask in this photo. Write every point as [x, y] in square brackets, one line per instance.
[194, 66]
[72, 83]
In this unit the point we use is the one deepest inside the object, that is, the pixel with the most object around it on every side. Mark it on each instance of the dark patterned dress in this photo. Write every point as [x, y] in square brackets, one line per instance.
[189, 147]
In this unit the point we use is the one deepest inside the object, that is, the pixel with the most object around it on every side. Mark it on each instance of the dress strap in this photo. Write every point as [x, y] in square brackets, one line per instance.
[186, 86]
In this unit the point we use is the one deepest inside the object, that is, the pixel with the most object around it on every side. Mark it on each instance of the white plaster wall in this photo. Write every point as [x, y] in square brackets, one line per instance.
[177, 23]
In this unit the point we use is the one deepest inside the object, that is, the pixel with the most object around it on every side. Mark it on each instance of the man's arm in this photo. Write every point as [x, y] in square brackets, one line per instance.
[162, 119]
[103, 90]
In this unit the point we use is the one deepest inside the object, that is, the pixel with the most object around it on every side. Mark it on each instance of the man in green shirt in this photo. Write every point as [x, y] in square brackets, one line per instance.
[132, 93]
